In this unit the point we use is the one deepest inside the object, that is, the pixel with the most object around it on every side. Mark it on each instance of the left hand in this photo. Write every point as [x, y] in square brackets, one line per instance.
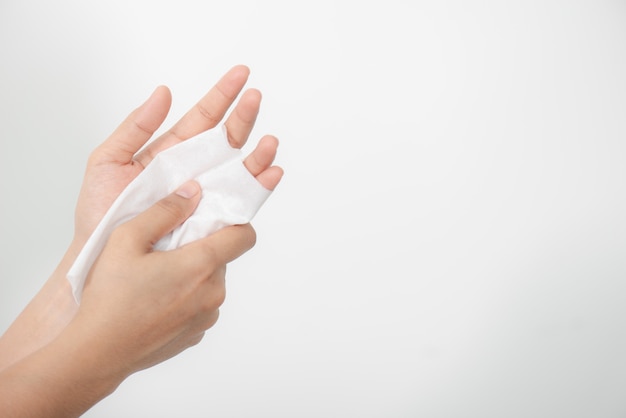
[117, 161]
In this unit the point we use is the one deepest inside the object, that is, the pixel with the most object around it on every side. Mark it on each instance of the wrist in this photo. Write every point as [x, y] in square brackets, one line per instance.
[90, 357]
[69, 376]
[41, 321]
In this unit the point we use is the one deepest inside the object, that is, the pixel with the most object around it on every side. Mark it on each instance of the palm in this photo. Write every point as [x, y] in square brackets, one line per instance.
[101, 186]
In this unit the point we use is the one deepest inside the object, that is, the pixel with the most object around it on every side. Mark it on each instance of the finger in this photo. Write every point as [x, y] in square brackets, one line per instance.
[259, 163]
[138, 127]
[270, 177]
[262, 156]
[206, 114]
[220, 247]
[210, 110]
[240, 122]
[147, 228]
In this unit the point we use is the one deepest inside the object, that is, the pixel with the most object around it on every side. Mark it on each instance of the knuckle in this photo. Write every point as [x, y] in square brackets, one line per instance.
[197, 269]
[244, 235]
[214, 299]
[195, 340]
[122, 236]
[172, 208]
[251, 236]
[211, 319]
[207, 114]
[219, 296]
[201, 262]
[141, 127]
[209, 257]
[94, 158]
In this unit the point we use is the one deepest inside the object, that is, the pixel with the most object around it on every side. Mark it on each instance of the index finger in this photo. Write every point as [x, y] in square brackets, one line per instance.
[221, 247]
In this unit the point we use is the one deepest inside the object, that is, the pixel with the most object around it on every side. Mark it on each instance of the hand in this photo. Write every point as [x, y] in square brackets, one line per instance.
[111, 167]
[139, 308]
[146, 306]
[115, 163]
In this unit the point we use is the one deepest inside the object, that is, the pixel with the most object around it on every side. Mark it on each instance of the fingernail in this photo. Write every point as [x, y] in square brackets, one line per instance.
[188, 190]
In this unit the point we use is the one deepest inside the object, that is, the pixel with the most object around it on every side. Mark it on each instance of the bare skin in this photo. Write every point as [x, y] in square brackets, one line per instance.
[74, 356]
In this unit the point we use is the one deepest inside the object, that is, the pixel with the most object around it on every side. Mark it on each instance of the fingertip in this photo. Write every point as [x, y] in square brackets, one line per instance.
[241, 68]
[270, 141]
[239, 71]
[154, 110]
[241, 121]
[225, 245]
[249, 104]
[189, 189]
[253, 93]
[270, 177]
[262, 156]
[162, 88]
[249, 235]
[266, 149]
[161, 93]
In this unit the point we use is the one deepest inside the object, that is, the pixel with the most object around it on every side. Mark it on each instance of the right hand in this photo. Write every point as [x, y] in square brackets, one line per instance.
[141, 307]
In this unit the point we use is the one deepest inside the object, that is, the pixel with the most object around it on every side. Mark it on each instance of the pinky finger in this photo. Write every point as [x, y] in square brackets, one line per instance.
[270, 177]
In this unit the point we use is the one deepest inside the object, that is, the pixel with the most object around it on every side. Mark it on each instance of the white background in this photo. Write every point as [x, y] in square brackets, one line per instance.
[449, 237]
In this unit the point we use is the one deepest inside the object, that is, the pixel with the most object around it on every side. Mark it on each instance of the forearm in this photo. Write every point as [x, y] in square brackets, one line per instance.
[63, 379]
[44, 317]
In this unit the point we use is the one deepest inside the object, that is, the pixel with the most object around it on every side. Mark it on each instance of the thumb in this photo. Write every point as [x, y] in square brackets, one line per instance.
[164, 216]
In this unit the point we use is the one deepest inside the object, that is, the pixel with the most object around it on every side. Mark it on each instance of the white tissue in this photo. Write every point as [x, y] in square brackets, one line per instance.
[230, 196]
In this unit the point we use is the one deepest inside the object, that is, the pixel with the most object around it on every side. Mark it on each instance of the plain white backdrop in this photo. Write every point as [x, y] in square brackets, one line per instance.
[449, 239]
